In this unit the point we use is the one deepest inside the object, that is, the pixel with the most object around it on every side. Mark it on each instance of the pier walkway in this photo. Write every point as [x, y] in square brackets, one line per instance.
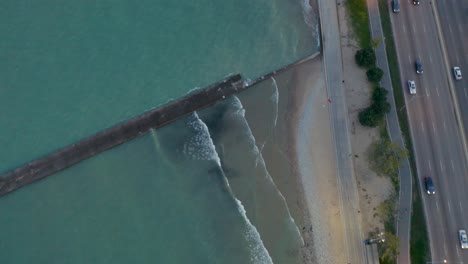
[126, 131]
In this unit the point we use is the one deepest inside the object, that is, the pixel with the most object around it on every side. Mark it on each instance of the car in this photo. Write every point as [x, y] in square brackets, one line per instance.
[419, 67]
[457, 73]
[430, 189]
[411, 87]
[463, 238]
[415, 2]
[395, 6]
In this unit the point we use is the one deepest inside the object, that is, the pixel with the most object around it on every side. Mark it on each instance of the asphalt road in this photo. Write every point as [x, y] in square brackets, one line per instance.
[453, 18]
[437, 139]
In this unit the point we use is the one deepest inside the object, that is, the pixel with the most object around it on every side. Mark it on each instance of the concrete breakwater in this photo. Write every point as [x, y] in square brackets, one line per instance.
[126, 131]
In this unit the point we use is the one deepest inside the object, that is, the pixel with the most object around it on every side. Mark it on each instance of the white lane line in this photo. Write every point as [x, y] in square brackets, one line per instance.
[466, 95]
[445, 249]
[445, 126]
[409, 58]
[449, 207]
[441, 165]
[430, 58]
[437, 206]
[453, 165]
[459, 205]
[437, 90]
[433, 128]
[414, 29]
[422, 126]
[458, 251]
[424, 27]
[430, 166]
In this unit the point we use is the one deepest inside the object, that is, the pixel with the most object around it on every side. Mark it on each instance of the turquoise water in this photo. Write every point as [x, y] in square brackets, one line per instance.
[196, 191]
[71, 69]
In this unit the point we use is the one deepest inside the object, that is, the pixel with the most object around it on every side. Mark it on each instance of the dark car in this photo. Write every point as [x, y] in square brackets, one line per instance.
[430, 189]
[395, 6]
[419, 67]
[415, 2]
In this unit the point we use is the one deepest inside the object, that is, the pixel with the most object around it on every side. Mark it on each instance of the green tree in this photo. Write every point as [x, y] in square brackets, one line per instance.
[385, 157]
[379, 100]
[389, 250]
[365, 57]
[368, 117]
[374, 74]
[375, 42]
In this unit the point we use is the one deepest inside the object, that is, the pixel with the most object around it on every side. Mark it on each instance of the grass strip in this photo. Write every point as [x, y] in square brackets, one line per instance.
[419, 243]
[357, 10]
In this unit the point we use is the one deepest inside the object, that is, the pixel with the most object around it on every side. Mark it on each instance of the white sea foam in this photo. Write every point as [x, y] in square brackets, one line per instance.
[259, 252]
[310, 18]
[200, 146]
[275, 99]
[259, 160]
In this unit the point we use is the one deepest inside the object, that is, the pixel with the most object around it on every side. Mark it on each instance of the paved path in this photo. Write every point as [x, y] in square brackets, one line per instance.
[355, 252]
[404, 204]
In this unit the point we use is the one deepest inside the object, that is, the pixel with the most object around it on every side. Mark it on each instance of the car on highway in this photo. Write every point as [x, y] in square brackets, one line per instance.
[419, 67]
[395, 6]
[411, 87]
[415, 2]
[430, 188]
[463, 238]
[457, 73]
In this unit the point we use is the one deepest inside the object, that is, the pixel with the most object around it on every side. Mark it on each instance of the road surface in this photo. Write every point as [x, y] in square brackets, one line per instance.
[437, 139]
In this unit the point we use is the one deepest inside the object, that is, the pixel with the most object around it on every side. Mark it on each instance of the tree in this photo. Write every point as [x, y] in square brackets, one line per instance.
[369, 117]
[374, 74]
[365, 57]
[379, 100]
[389, 250]
[376, 42]
[385, 157]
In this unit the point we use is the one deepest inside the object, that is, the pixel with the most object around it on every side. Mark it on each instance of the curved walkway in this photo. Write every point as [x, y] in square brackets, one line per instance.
[393, 127]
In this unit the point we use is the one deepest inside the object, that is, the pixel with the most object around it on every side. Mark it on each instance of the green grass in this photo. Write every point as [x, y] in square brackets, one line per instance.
[357, 10]
[419, 243]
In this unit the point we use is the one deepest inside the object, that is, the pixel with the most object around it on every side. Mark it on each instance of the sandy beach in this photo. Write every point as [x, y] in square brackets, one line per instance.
[313, 153]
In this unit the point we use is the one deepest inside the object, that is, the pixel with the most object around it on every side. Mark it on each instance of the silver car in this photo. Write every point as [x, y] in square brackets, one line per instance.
[463, 238]
[411, 87]
[457, 73]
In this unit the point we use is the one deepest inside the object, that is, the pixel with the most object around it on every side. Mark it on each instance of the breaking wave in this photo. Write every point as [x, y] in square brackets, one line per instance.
[275, 99]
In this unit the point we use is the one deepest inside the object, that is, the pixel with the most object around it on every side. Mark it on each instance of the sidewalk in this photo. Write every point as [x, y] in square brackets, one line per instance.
[333, 69]
[393, 127]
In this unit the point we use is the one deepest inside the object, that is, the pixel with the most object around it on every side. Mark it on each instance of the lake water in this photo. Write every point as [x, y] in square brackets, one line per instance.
[68, 70]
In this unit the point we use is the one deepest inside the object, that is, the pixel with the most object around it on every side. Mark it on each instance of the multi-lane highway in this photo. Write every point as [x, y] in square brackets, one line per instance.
[437, 139]
[453, 18]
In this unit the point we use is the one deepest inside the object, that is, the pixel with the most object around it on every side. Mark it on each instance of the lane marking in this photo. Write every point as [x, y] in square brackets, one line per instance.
[453, 166]
[449, 207]
[430, 166]
[458, 251]
[466, 95]
[459, 205]
[414, 29]
[437, 206]
[422, 126]
[409, 58]
[424, 27]
[430, 58]
[433, 128]
[441, 165]
[445, 126]
[445, 250]
[437, 90]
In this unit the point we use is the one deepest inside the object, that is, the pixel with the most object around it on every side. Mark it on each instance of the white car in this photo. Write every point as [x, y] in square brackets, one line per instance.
[411, 87]
[457, 73]
[463, 238]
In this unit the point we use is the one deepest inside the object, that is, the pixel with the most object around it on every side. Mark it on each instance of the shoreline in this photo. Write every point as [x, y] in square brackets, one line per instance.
[312, 153]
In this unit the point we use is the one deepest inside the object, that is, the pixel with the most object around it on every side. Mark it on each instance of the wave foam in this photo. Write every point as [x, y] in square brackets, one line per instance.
[275, 99]
[200, 146]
